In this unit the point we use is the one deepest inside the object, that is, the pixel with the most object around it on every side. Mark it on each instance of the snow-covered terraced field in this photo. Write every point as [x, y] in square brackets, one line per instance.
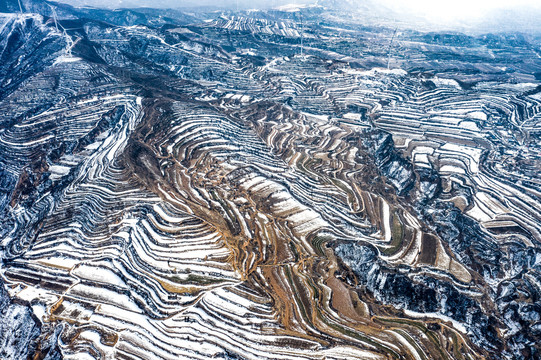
[174, 189]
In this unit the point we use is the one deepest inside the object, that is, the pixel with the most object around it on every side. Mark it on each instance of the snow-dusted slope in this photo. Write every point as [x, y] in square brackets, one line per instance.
[205, 191]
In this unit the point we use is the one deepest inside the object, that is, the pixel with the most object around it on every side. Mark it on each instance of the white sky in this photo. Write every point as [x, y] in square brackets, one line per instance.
[453, 10]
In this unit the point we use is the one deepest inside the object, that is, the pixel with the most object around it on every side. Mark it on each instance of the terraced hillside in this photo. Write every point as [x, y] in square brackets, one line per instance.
[189, 186]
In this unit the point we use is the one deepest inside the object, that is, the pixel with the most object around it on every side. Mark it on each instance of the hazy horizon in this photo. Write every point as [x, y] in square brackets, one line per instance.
[521, 15]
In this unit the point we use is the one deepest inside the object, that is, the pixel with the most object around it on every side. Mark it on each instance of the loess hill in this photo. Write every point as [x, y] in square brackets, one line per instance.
[198, 185]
